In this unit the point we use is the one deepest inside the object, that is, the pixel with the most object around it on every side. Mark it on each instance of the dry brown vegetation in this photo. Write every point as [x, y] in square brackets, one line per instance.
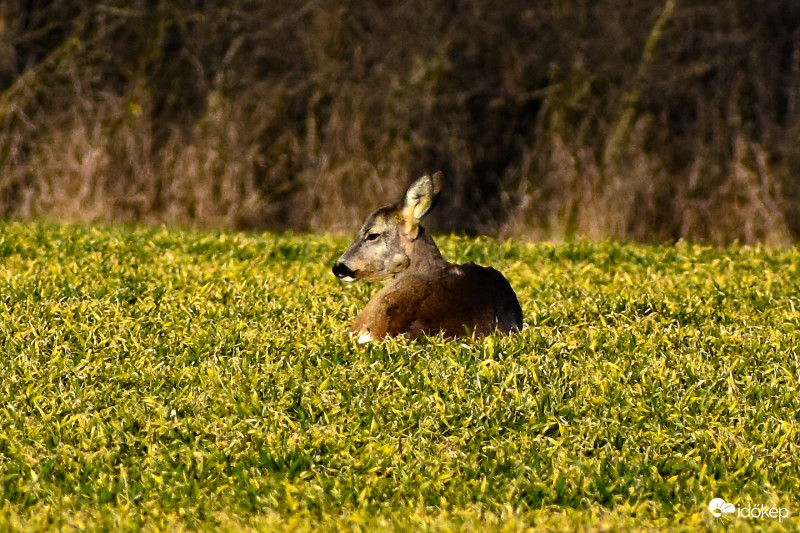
[630, 119]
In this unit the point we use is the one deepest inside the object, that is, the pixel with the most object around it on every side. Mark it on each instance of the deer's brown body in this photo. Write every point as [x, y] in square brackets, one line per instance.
[426, 294]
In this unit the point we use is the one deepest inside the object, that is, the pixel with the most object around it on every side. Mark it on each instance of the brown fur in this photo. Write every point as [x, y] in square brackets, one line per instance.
[427, 294]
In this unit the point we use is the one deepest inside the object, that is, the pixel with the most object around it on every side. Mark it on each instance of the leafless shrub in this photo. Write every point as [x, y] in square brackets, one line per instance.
[649, 120]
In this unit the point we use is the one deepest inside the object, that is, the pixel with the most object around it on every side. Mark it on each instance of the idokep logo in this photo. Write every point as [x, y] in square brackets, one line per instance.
[719, 508]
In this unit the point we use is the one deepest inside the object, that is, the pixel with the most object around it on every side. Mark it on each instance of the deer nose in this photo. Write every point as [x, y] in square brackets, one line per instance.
[342, 271]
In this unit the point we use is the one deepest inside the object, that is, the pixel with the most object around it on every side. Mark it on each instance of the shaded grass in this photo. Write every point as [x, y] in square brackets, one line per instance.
[161, 379]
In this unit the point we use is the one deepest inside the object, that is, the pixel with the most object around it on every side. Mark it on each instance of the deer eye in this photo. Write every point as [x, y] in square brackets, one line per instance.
[372, 236]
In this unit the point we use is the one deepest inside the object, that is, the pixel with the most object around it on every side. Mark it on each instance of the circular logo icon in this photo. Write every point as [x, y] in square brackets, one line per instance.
[718, 507]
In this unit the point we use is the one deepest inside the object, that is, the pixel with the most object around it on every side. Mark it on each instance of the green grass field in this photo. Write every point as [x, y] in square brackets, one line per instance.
[172, 380]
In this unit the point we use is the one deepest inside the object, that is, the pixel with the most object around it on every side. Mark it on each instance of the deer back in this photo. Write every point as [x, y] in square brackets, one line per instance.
[456, 300]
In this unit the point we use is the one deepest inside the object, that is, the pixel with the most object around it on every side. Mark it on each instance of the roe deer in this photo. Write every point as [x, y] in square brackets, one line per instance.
[427, 294]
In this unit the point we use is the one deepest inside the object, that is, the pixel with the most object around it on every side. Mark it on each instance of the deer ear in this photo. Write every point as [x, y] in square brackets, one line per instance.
[437, 178]
[419, 199]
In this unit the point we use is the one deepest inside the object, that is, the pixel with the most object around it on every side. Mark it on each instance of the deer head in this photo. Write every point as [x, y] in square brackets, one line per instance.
[392, 240]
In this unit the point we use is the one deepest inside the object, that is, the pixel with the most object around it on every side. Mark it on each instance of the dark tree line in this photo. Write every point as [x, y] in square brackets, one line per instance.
[636, 119]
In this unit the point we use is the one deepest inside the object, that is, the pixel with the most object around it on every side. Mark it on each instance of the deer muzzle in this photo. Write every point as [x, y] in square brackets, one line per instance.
[343, 272]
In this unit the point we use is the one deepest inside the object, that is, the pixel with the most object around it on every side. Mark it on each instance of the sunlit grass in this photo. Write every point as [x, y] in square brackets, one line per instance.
[162, 379]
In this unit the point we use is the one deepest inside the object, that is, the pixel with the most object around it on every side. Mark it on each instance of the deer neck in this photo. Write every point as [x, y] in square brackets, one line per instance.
[423, 254]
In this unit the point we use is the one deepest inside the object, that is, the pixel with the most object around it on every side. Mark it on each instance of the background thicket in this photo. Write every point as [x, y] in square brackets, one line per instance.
[642, 119]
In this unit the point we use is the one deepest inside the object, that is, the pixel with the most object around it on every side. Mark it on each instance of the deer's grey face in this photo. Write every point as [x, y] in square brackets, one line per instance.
[379, 251]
